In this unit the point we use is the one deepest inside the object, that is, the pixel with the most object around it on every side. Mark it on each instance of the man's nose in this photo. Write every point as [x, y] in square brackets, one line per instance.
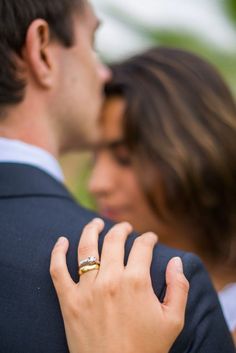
[105, 73]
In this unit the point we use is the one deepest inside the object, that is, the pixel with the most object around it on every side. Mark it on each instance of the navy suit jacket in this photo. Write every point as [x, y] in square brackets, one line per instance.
[34, 210]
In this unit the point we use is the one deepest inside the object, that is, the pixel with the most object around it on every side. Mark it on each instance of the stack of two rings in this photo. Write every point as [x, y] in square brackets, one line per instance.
[89, 264]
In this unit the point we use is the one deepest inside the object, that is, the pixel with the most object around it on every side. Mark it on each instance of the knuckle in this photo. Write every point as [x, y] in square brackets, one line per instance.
[109, 287]
[111, 236]
[85, 301]
[56, 251]
[136, 280]
[54, 270]
[53, 273]
[84, 250]
[177, 323]
[183, 283]
[90, 227]
[72, 308]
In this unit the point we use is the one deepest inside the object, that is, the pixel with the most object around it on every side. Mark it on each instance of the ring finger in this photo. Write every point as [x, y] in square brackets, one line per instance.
[88, 247]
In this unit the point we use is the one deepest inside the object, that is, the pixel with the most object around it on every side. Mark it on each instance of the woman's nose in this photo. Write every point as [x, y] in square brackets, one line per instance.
[101, 181]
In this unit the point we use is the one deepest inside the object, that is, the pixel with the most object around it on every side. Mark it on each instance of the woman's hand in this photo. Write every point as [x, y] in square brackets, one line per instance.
[114, 309]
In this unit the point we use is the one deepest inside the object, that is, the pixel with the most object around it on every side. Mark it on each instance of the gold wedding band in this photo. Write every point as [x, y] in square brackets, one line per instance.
[87, 268]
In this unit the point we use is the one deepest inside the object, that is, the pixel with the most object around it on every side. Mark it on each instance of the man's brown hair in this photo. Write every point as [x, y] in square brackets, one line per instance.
[15, 18]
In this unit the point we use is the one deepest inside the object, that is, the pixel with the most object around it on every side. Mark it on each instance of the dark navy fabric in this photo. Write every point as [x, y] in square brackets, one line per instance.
[34, 210]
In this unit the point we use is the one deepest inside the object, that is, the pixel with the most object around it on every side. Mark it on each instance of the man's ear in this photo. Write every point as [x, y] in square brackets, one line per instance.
[37, 53]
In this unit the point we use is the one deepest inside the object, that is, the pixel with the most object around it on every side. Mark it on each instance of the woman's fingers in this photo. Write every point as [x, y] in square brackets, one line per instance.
[58, 268]
[88, 246]
[177, 290]
[113, 306]
[112, 258]
[140, 256]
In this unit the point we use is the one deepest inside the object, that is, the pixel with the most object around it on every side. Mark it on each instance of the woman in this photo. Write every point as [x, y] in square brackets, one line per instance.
[113, 308]
[168, 162]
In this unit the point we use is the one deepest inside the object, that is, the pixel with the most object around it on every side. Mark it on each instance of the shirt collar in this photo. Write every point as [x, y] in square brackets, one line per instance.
[15, 151]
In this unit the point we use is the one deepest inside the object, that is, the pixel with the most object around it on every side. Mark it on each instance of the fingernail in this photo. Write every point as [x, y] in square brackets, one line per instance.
[97, 220]
[178, 264]
[128, 225]
[61, 240]
[153, 236]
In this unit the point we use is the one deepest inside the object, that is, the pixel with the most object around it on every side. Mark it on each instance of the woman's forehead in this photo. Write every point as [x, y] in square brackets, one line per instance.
[112, 118]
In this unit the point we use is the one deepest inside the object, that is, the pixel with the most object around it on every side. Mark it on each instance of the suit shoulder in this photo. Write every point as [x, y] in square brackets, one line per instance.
[205, 328]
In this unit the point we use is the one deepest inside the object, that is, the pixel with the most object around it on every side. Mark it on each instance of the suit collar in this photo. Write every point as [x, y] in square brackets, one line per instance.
[16, 151]
[20, 180]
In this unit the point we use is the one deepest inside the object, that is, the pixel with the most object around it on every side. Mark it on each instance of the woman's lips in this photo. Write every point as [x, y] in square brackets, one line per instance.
[111, 213]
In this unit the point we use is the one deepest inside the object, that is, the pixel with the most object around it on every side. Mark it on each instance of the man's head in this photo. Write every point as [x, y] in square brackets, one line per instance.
[48, 69]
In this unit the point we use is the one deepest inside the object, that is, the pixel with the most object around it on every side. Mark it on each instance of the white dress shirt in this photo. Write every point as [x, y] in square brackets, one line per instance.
[14, 151]
[227, 298]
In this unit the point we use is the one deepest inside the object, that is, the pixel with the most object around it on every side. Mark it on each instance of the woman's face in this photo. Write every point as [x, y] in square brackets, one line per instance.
[113, 182]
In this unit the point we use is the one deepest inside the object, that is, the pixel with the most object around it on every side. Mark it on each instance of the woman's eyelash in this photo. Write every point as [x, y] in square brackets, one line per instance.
[124, 161]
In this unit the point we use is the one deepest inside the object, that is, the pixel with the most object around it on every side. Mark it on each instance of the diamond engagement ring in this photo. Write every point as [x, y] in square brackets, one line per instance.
[89, 264]
[90, 260]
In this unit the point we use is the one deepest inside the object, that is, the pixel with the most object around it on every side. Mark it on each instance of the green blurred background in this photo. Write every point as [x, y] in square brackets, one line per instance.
[206, 27]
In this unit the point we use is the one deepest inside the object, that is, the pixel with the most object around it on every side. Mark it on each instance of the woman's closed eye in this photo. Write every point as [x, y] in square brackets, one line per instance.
[122, 158]
[117, 151]
[120, 153]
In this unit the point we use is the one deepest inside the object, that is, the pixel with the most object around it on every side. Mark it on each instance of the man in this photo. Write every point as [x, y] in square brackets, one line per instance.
[50, 97]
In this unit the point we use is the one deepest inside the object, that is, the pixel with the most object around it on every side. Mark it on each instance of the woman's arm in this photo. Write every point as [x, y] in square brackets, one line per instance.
[234, 336]
[113, 309]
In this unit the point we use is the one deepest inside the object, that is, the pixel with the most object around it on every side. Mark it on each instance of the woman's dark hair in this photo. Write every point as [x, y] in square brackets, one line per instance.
[180, 124]
[15, 18]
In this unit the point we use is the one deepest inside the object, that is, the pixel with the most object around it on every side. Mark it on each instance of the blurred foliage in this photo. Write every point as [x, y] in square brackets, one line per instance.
[225, 61]
[81, 191]
[77, 167]
[230, 7]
